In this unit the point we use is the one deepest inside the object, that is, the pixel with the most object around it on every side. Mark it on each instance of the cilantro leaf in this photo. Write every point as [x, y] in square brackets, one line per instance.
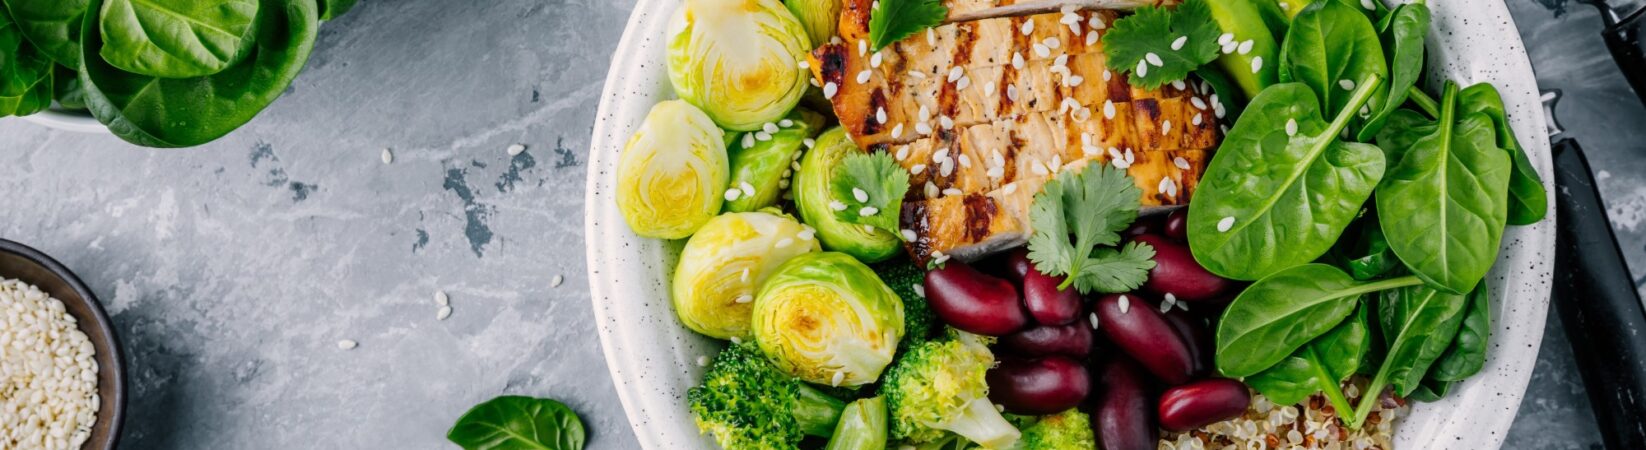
[1115, 271]
[894, 20]
[868, 189]
[1095, 204]
[1145, 38]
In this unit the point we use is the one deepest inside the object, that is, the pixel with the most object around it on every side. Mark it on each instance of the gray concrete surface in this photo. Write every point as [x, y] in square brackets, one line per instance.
[232, 270]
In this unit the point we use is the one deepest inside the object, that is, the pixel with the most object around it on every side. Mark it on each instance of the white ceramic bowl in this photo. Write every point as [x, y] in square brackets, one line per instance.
[66, 120]
[653, 358]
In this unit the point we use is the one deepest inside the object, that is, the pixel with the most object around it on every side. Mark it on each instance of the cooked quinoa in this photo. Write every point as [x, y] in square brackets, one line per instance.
[48, 379]
[1310, 425]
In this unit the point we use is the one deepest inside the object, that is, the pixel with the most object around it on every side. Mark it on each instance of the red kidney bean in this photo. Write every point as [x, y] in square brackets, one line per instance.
[1048, 304]
[1046, 385]
[1013, 265]
[1197, 335]
[1202, 403]
[1123, 418]
[1143, 225]
[1132, 324]
[971, 301]
[1176, 272]
[1073, 340]
[1177, 225]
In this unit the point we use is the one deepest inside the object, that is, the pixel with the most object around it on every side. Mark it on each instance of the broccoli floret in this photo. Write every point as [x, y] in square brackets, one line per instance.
[748, 404]
[1065, 430]
[919, 322]
[938, 387]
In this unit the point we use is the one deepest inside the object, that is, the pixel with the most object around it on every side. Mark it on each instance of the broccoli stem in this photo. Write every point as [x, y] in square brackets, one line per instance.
[983, 424]
[816, 411]
[862, 426]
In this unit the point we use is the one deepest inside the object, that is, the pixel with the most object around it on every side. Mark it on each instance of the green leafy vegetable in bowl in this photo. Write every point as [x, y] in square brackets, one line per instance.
[1160, 45]
[894, 20]
[862, 426]
[737, 60]
[815, 200]
[671, 172]
[25, 73]
[748, 404]
[827, 319]
[872, 188]
[761, 161]
[1094, 204]
[177, 38]
[724, 264]
[938, 388]
[52, 26]
[514, 422]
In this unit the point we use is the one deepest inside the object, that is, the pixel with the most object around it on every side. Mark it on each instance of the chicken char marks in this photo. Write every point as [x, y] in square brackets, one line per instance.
[983, 113]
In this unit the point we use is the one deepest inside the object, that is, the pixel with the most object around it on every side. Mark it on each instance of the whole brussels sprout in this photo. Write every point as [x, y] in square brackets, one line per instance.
[818, 16]
[812, 196]
[760, 168]
[723, 265]
[827, 319]
[671, 175]
[738, 60]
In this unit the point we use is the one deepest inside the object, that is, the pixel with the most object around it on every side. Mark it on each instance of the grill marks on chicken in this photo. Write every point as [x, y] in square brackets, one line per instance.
[983, 113]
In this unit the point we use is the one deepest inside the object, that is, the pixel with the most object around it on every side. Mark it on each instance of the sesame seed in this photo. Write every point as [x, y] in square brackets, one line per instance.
[1197, 103]
[1009, 189]
[918, 75]
[952, 191]
[806, 234]
[931, 37]
[863, 77]
[516, 149]
[946, 122]
[1093, 319]
[902, 152]
[1097, 23]
[897, 132]
[1180, 162]
[1142, 68]
[785, 123]
[1074, 80]
[837, 206]
[1108, 109]
[1197, 120]
[748, 140]
[803, 65]
[1257, 64]
[347, 344]
[1179, 85]
[814, 83]
[1042, 50]
[1347, 85]
[1125, 304]
[733, 194]
[917, 169]
[1011, 92]
[555, 282]
[440, 298]
[925, 114]
[1107, 75]
[1291, 127]
[988, 89]
[861, 195]
[829, 89]
[770, 128]
[919, 290]
[946, 168]
[1028, 27]
[1017, 60]
[965, 161]
[1368, 5]
[874, 61]
[931, 190]
[1224, 225]
[1052, 43]
[908, 235]
[923, 128]
[744, 277]
[808, 142]
[862, 47]
[748, 189]
[702, 361]
[964, 82]
[996, 172]
[785, 242]
[1091, 38]
[1165, 127]
[955, 73]
[1179, 42]
[443, 313]
[880, 115]
[737, 340]
[838, 377]
[1225, 38]
[1230, 48]
[1246, 47]
[388, 156]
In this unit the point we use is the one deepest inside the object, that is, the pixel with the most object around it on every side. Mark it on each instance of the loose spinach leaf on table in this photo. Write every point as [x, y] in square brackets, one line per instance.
[53, 26]
[1331, 47]
[332, 9]
[25, 73]
[1443, 205]
[1279, 314]
[515, 422]
[1467, 354]
[177, 38]
[1320, 366]
[1528, 202]
[1408, 27]
[1282, 186]
[161, 112]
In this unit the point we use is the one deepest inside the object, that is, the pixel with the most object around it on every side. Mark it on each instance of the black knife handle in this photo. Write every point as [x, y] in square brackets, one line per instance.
[1596, 299]
[1622, 37]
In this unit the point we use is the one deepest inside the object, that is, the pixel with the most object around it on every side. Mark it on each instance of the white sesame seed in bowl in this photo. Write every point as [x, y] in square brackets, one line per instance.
[62, 383]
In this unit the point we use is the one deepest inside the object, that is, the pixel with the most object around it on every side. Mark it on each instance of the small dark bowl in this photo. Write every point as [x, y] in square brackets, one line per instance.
[18, 261]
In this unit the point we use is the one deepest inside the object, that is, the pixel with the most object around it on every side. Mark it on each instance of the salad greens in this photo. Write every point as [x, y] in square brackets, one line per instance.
[1095, 204]
[514, 422]
[895, 20]
[1279, 314]
[1320, 366]
[761, 161]
[1331, 48]
[25, 73]
[872, 187]
[1408, 26]
[52, 26]
[1160, 45]
[1528, 202]
[177, 38]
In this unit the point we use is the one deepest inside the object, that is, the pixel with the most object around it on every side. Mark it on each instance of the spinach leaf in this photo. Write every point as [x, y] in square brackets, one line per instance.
[25, 73]
[332, 9]
[159, 112]
[1431, 390]
[1330, 47]
[1418, 323]
[1528, 202]
[1282, 187]
[66, 88]
[1365, 253]
[1408, 27]
[516, 422]
[1468, 352]
[1443, 205]
[177, 38]
[53, 26]
[1402, 129]
[1279, 314]
[1320, 366]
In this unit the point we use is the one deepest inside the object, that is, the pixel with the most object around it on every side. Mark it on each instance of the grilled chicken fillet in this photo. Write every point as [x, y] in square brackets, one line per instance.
[984, 112]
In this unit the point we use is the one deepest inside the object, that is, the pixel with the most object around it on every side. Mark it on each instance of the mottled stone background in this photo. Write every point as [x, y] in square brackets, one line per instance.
[232, 270]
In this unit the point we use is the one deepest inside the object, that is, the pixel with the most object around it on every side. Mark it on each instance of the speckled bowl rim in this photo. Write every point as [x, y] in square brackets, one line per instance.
[653, 359]
[111, 369]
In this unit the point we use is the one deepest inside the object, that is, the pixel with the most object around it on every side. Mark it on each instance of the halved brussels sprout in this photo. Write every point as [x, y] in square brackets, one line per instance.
[738, 60]
[671, 175]
[760, 167]
[827, 319]
[818, 16]
[812, 196]
[724, 264]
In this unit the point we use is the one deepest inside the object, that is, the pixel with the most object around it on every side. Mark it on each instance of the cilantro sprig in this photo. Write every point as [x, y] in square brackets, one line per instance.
[868, 189]
[1094, 204]
[1149, 40]
[894, 20]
